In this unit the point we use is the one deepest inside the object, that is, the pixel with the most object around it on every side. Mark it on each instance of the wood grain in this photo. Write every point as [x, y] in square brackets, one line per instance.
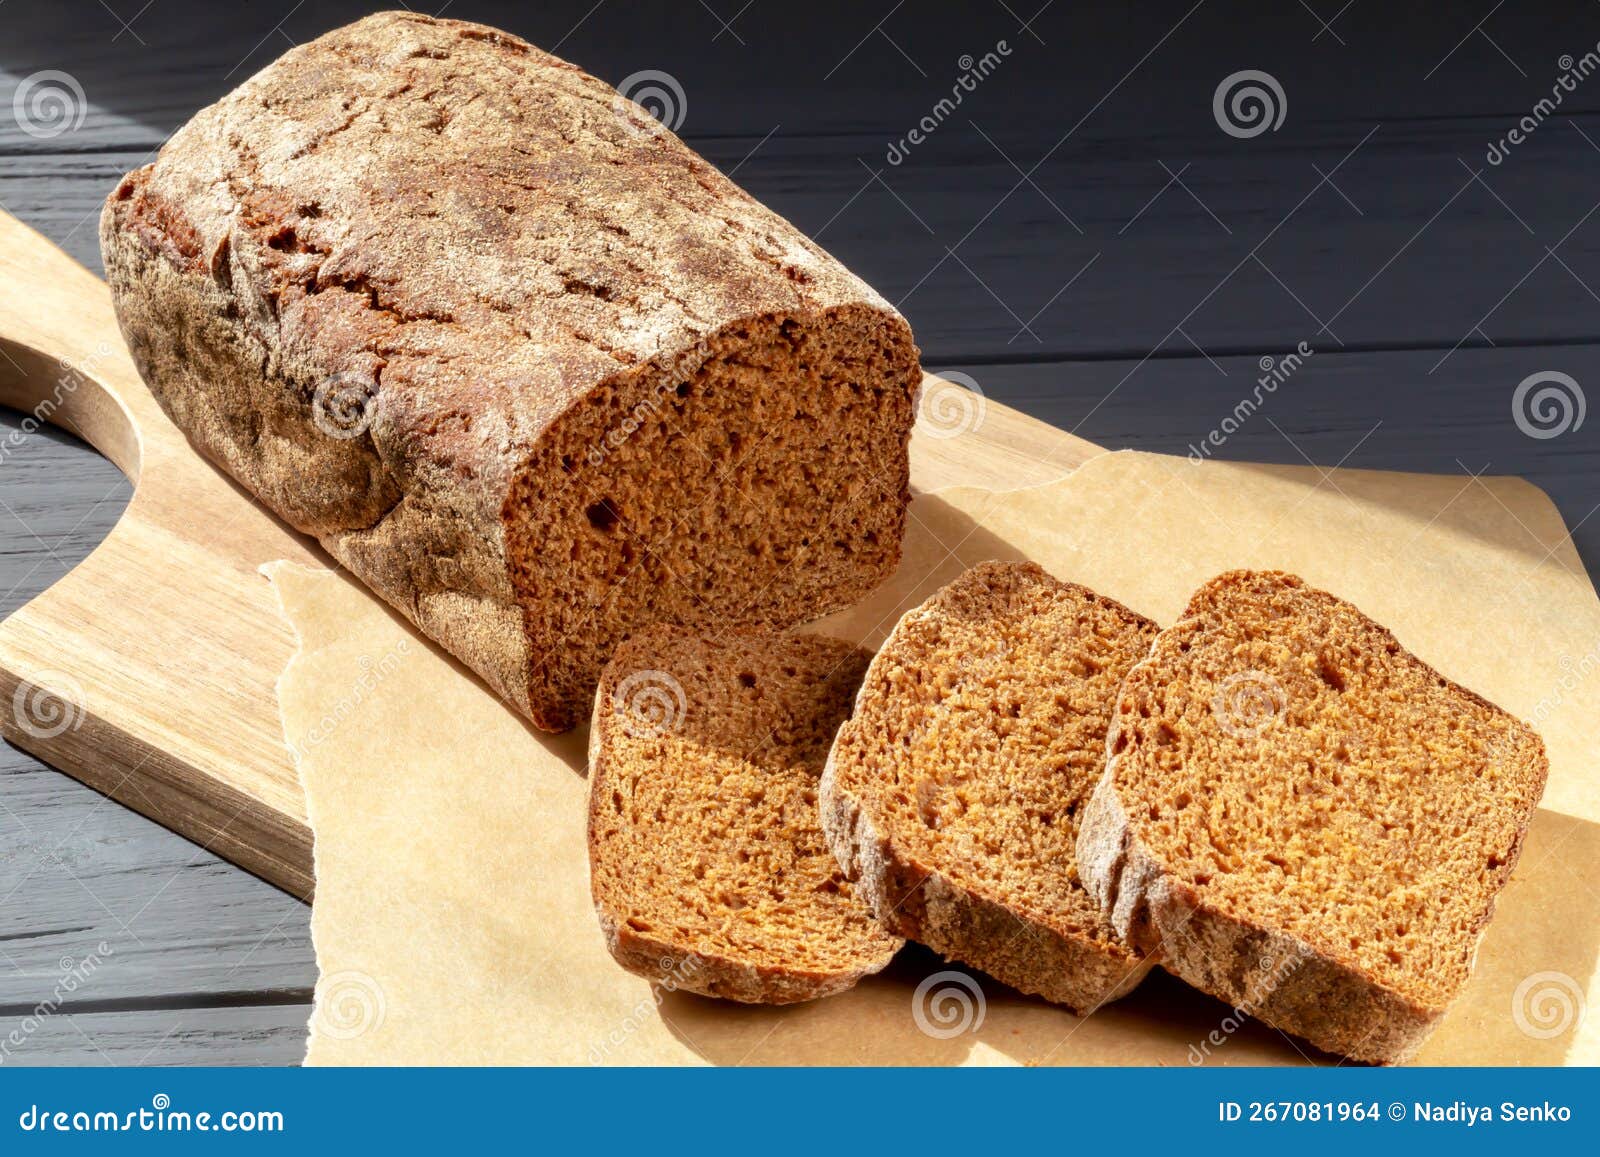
[161, 922]
[77, 871]
[158, 646]
[150, 671]
[222, 1035]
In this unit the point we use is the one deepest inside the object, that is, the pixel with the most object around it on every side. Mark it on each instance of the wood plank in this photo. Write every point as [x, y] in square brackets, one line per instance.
[158, 910]
[246, 803]
[60, 195]
[80, 876]
[1126, 71]
[227, 1036]
[86, 880]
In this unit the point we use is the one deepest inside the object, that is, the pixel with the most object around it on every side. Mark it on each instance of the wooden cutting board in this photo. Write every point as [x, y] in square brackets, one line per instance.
[149, 672]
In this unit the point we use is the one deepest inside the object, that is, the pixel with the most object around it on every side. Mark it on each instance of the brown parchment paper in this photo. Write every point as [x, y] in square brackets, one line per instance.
[452, 920]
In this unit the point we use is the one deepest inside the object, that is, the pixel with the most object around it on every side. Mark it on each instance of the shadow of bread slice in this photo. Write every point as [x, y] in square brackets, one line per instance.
[952, 795]
[708, 869]
[1306, 820]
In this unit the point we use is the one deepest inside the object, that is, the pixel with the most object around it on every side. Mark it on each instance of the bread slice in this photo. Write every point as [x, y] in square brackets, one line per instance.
[952, 795]
[1304, 819]
[521, 361]
[708, 868]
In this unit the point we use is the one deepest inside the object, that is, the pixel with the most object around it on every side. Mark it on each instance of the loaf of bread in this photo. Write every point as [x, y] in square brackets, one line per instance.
[521, 361]
[708, 868]
[952, 795]
[1304, 819]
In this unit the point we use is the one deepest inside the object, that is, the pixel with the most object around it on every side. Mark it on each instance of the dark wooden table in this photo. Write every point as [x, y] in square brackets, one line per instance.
[1077, 232]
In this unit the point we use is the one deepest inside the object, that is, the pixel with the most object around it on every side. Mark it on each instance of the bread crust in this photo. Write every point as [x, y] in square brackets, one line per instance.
[917, 901]
[1266, 973]
[708, 974]
[1269, 975]
[465, 240]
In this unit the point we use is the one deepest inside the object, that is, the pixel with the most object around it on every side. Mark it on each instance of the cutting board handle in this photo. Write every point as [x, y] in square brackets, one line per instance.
[62, 357]
[149, 670]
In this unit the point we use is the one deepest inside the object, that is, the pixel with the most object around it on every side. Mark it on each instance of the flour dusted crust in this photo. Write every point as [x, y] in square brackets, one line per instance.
[1310, 971]
[417, 276]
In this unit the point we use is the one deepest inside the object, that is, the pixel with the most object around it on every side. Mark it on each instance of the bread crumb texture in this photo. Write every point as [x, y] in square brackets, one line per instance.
[709, 870]
[1301, 815]
[954, 792]
[521, 360]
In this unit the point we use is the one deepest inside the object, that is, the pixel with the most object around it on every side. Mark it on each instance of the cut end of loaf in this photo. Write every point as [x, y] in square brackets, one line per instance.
[765, 485]
[1302, 816]
[708, 869]
[954, 793]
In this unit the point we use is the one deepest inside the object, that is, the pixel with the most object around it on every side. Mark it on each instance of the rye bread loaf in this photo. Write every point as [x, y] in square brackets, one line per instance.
[708, 869]
[1306, 820]
[952, 795]
[522, 362]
